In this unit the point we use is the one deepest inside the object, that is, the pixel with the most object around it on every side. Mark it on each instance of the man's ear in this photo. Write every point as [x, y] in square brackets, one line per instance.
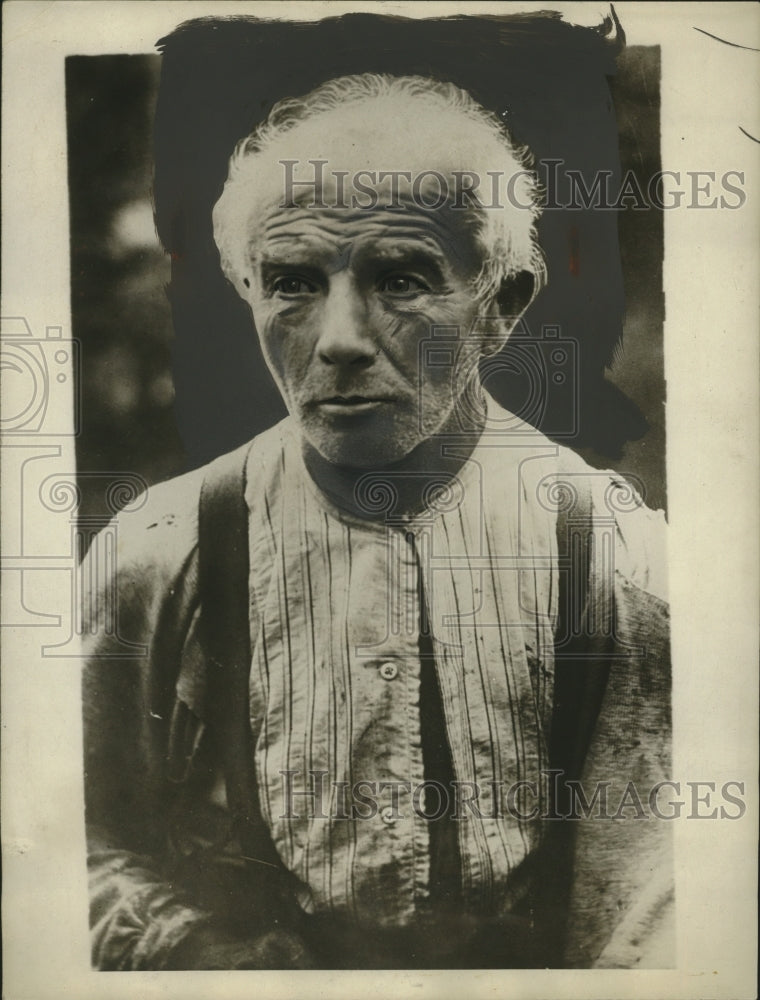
[509, 303]
[514, 296]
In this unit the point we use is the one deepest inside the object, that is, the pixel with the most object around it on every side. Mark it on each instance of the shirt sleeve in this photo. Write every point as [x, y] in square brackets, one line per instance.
[137, 616]
[622, 900]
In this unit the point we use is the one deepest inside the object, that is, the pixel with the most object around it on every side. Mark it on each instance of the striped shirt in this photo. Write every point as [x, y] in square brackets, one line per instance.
[336, 677]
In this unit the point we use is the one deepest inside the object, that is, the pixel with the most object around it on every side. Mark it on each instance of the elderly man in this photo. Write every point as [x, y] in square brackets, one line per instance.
[374, 654]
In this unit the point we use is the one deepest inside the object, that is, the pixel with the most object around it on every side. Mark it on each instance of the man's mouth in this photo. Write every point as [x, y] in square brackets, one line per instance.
[354, 404]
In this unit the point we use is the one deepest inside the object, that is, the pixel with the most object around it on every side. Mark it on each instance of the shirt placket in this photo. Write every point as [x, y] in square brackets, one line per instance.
[398, 665]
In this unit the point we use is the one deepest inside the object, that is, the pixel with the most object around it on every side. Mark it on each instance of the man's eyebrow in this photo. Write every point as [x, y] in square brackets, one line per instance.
[288, 248]
[285, 246]
[409, 251]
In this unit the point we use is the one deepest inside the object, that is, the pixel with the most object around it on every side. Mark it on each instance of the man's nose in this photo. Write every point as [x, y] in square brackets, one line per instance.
[345, 337]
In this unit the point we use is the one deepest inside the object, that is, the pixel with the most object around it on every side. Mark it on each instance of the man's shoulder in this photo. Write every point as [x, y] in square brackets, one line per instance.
[547, 472]
[617, 505]
[555, 480]
[160, 528]
[156, 534]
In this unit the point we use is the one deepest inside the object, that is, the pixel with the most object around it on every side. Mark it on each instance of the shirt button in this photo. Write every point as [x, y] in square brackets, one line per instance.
[387, 816]
[388, 671]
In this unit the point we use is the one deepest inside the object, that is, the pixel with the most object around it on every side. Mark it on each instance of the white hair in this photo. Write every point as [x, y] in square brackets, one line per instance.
[506, 234]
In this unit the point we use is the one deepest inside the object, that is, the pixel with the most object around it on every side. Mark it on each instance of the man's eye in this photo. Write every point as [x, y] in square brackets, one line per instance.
[401, 284]
[293, 285]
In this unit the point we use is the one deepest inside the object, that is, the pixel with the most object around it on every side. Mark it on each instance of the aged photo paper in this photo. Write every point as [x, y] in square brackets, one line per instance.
[129, 358]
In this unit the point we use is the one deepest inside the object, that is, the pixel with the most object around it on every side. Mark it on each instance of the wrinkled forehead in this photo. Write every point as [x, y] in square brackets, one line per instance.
[299, 234]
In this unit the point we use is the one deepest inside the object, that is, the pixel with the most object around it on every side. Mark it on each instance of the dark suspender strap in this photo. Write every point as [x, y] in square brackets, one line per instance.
[223, 570]
[579, 683]
[581, 667]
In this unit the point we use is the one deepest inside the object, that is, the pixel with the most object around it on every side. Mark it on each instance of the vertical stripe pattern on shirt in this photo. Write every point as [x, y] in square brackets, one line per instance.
[335, 680]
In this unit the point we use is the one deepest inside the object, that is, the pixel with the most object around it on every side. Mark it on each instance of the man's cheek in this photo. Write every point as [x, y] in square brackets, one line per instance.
[421, 319]
[404, 329]
[290, 350]
[410, 339]
[272, 337]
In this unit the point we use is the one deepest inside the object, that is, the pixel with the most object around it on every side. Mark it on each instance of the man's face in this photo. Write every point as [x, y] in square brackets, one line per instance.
[342, 300]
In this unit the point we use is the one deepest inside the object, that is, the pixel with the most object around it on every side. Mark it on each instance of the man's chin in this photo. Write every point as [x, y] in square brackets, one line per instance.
[360, 451]
[364, 442]
[366, 457]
